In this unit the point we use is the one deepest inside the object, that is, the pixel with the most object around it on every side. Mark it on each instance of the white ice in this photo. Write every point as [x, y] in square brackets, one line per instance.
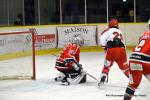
[45, 88]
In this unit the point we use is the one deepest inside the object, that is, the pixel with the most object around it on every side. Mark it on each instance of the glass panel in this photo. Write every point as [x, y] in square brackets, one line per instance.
[16, 12]
[55, 12]
[143, 10]
[30, 11]
[49, 12]
[73, 11]
[123, 10]
[96, 11]
[3, 13]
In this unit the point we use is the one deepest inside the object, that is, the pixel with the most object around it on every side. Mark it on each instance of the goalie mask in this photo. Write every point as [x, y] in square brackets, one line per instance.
[78, 40]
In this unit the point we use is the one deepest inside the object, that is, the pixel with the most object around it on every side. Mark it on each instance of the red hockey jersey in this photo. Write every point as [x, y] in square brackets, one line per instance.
[141, 52]
[70, 51]
[144, 43]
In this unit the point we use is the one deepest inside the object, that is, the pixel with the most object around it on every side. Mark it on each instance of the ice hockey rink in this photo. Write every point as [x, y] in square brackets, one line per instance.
[45, 88]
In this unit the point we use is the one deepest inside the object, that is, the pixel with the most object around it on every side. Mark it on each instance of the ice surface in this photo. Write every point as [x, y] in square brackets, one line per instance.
[45, 88]
[20, 66]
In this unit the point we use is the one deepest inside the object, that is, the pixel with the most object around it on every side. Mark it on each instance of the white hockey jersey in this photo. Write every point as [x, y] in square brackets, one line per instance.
[109, 35]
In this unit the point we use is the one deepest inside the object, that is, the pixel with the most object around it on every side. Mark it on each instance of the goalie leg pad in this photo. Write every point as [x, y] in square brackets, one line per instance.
[65, 82]
[80, 78]
[83, 79]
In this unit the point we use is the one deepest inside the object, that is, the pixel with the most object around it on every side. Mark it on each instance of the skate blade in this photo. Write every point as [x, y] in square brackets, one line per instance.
[100, 84]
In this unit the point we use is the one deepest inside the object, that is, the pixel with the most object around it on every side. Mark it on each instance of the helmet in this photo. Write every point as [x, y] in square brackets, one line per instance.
[78, 40]
[113, 23]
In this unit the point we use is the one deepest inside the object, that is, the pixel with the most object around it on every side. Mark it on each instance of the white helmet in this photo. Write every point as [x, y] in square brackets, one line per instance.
[78, 40]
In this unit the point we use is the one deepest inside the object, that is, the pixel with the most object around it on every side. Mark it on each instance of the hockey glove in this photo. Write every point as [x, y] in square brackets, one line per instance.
[77, 68]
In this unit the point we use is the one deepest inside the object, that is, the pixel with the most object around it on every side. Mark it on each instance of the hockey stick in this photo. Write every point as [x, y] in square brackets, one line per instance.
[92, 77]
[107, 78]
[86, 72]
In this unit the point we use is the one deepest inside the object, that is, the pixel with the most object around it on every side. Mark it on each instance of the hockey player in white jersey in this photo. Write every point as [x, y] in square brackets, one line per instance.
[112, 41]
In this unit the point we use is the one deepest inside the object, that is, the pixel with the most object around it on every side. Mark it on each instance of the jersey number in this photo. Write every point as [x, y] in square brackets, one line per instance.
[117, 35]
[139, 47]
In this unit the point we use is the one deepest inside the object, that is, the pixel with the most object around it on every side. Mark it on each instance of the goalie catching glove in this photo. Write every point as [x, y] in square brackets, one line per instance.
[76, 66]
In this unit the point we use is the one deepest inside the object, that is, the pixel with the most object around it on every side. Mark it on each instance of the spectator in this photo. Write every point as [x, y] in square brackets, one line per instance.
[19, 20]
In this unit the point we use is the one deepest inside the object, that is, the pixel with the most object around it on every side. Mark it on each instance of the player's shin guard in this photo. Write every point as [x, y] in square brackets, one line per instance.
[104, 75]
[125, 69]
[105, 70]
[126, 72]
[128, 93]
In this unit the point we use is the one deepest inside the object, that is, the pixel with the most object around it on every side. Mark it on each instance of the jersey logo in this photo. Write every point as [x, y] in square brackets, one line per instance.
[137, 67]
[72, 52]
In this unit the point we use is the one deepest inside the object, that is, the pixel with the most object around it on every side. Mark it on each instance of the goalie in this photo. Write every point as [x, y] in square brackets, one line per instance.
[71, 72]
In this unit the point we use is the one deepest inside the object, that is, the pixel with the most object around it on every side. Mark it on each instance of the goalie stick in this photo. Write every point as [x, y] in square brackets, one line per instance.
[87, 72]
[92, 77]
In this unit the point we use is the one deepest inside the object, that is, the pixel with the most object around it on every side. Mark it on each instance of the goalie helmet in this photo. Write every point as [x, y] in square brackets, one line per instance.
[78, 40]
[113, 23]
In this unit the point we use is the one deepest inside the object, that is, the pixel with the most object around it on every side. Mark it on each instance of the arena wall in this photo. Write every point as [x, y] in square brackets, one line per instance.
[51, 38]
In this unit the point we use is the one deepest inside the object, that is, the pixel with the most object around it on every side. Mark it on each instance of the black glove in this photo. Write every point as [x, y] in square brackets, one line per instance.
[78, 68]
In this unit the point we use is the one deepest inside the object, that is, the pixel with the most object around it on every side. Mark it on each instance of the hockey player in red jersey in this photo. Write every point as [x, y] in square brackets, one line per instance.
[112, 41]
[68, 63]
[139, 64]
